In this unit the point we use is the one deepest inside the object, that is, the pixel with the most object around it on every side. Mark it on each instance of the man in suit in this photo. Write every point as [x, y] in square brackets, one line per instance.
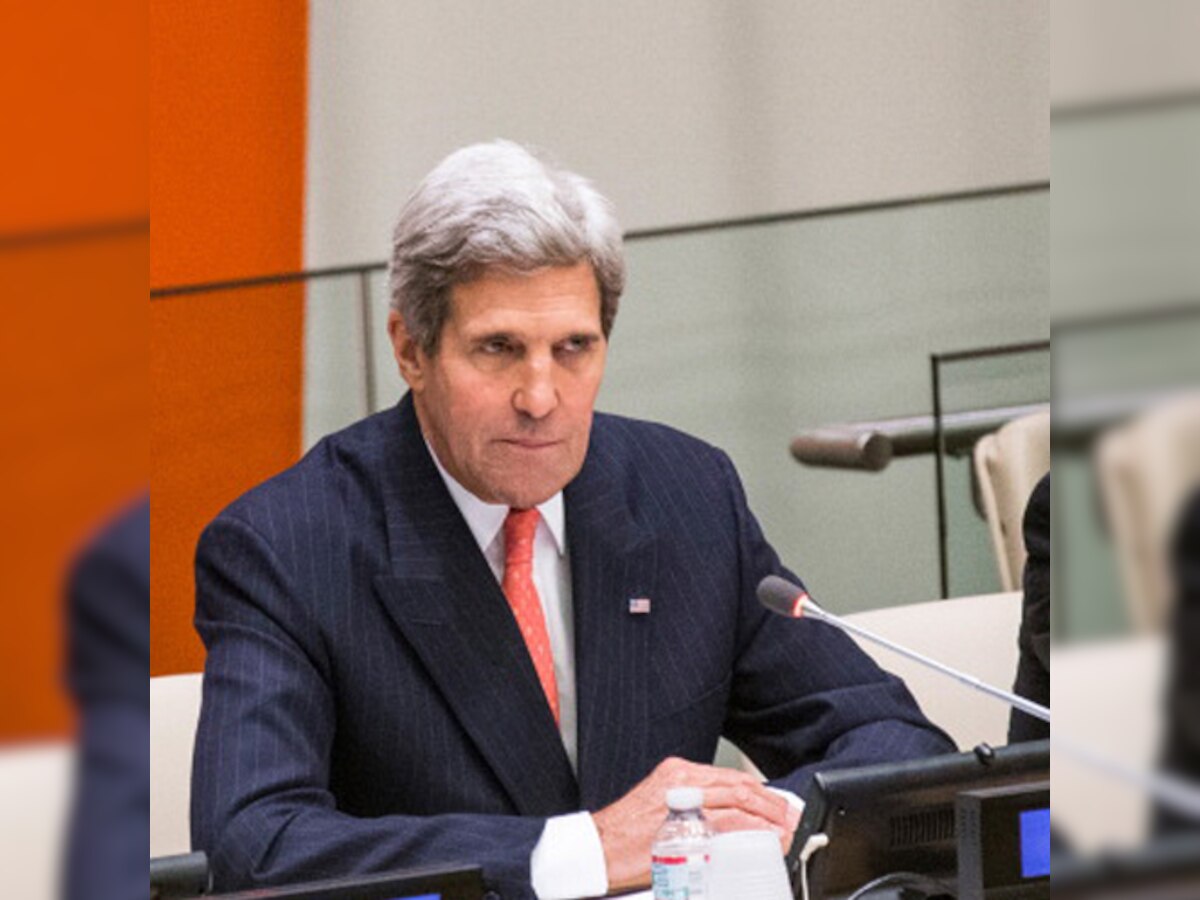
[1181, 752]
[1033, 667]
[108, 654]
[491, 626]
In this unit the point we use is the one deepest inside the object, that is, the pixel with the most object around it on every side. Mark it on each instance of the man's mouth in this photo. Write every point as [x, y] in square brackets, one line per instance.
[531, 443]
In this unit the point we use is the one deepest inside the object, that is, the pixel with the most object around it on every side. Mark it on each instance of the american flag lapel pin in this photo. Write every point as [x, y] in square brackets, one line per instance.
[639, 606]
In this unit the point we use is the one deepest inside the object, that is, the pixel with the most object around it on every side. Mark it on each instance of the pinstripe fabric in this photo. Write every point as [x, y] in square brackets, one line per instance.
[369, 702]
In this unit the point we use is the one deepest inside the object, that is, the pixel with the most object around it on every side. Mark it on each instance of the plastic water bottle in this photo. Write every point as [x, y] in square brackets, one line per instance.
[679, 856]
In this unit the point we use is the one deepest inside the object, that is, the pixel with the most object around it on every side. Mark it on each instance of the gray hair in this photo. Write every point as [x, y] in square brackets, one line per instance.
[498, 205]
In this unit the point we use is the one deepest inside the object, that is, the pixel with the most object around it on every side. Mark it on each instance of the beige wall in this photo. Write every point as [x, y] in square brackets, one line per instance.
[680, 111]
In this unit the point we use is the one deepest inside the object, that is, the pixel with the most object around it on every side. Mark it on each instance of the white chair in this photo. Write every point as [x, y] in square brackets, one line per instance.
[977, 635]
[1146, 468]
[36, 784]
[1008, 465]
[174, 714]
[1106, 697]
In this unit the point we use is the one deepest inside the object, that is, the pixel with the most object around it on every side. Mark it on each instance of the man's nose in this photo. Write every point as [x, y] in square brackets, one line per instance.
[536, 395]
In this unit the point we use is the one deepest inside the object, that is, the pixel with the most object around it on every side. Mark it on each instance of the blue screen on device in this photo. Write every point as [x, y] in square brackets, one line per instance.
[1035, 843]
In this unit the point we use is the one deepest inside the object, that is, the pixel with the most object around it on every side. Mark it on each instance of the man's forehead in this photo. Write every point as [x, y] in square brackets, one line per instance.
[565, 296]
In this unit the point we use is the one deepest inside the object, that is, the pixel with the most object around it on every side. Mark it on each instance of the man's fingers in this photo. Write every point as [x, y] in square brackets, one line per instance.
[752, 799]
[726, 788]
[682, 772]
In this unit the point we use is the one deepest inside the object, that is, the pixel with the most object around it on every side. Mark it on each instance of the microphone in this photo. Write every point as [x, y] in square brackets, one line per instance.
[781, 596]
[790, 600]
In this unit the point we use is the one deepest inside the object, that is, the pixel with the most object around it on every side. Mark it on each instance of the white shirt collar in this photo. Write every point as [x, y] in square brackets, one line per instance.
[487, 519]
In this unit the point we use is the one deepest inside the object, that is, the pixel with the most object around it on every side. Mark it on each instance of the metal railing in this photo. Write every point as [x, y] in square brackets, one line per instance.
[631, 236]
[871, 446]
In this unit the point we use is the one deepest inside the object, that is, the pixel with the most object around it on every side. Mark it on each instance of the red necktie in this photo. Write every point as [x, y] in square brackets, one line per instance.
[519, 529]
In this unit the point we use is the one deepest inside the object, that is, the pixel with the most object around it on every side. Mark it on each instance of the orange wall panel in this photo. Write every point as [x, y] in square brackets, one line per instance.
[227, 109]
[226, 401]
[73, 90]
[72, 444]
[73, 434]
[227, 116]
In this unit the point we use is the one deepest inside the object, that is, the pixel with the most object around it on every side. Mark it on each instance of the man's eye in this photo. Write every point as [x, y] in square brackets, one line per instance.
[577, 344]
[496, 347]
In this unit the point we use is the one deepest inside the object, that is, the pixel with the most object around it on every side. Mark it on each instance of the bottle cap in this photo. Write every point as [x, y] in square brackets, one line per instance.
[684, 798]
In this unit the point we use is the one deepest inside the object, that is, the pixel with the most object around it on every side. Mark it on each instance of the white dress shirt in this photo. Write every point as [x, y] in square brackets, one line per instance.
[568, 861]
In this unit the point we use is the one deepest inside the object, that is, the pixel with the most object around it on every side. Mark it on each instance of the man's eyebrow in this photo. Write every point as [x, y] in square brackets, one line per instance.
[593, 334]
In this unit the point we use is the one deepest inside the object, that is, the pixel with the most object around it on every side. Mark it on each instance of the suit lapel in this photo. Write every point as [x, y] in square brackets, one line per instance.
[613, 560]
[445, 600]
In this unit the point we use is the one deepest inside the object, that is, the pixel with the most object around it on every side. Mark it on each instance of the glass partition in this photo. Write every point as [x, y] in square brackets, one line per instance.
[745, 335]
[1106, 372]
[994, 378]
[342, 334]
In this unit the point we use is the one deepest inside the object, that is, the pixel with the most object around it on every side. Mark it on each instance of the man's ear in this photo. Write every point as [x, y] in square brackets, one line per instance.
[409, 357]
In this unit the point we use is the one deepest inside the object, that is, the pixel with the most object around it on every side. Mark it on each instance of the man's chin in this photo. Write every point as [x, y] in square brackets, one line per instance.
[525, 495]
[528, 498]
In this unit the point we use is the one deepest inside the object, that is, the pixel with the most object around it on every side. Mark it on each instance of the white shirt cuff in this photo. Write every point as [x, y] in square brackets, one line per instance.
[568, 861]
[795, 802]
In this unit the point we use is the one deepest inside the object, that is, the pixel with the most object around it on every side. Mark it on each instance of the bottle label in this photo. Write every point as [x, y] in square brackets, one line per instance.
[680, 877]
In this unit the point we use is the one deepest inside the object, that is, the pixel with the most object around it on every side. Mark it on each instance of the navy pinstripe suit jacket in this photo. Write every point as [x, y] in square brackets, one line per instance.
[369, 703]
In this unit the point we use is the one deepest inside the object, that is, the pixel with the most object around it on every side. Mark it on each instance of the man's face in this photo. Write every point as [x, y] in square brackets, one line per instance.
[506, 401]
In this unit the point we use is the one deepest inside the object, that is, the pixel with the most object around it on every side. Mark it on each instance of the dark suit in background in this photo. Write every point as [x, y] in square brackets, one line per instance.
[108, 666]
[1033, 668]
[1181, 754]
[369, 702]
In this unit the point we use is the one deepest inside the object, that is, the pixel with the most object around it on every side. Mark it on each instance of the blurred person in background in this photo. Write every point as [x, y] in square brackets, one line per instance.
[108, 596]
[1181, 754]
[1033, 667]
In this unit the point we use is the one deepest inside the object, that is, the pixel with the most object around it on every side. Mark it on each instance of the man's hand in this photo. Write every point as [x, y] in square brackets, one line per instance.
[733, 801]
